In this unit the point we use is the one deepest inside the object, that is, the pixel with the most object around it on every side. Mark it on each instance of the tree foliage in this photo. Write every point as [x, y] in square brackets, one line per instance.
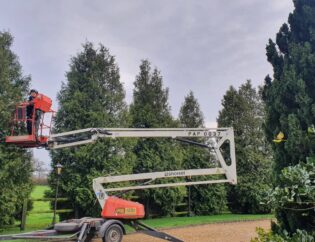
[243, 110]
[92, 97]
[190, 114]
[290, 95]
[205, 199]
[298, 236]
[15, 163]
[296, 194]
[150, 109]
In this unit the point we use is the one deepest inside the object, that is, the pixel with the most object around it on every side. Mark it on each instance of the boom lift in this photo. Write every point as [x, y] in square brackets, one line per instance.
[116, 211]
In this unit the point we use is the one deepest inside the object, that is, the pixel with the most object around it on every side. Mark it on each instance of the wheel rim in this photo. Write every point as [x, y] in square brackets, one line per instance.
[114, 235]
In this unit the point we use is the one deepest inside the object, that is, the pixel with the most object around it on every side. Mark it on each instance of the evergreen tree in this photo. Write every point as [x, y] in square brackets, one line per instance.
[190, 114]
[15, 163]
[243, 110]
[92, 97]
[150, 109]
[205, 199]
[290, 106]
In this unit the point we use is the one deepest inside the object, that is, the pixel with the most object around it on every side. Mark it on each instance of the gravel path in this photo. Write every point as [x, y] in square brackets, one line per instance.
[219, 232]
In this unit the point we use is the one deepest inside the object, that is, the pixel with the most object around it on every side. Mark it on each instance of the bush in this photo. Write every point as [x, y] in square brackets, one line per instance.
[208, 199]
[299, 236]
[246, 197]
[294, 199]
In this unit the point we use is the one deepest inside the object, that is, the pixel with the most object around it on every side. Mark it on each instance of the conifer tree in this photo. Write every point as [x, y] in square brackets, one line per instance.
[205, 199]
[290, 107]
[243, 110]
[150, 109]
[93, 96]
[15, 163]
[190, 114]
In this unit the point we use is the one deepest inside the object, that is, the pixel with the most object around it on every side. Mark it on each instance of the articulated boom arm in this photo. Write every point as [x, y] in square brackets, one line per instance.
[90, 135]
[215, 138]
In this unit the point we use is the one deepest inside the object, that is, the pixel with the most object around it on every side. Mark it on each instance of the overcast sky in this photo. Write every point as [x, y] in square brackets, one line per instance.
[203, 46]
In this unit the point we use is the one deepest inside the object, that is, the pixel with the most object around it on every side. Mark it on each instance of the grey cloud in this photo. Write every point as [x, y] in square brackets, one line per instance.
[203, 46]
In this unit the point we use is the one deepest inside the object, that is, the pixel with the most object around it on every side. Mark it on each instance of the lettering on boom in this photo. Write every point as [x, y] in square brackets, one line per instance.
[174, 173]
[205, 133]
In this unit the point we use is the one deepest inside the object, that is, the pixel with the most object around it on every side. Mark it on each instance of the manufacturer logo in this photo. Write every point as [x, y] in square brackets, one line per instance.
[174, 173]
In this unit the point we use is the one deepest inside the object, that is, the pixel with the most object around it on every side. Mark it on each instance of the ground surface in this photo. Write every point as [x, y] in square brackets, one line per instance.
[219, 232]
[34, 221]
[197, 228]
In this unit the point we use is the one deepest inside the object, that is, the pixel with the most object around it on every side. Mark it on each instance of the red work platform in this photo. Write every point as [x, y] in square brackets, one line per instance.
[27, 141]
[24, 132]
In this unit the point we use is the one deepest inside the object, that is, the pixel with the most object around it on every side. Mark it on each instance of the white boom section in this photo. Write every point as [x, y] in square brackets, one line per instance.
[215, 137]
[90, 135]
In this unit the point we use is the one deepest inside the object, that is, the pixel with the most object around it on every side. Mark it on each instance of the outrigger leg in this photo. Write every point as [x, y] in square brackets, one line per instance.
[143, 228]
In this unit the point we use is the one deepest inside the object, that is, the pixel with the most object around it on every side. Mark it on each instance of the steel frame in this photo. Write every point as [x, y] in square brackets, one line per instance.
[215, 137]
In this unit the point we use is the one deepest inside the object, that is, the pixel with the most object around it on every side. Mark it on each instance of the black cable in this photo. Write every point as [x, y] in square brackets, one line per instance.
[193, 143]
[141, 184]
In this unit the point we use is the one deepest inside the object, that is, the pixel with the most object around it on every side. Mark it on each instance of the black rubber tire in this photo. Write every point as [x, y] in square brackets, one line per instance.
[114, 233]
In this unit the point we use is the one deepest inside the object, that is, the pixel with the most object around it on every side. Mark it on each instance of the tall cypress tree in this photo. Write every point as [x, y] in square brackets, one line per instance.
[289, 98]
[15, 163]
[205, 199]
[190, 114]
[150, 109]
[243, 110]
[92, 97]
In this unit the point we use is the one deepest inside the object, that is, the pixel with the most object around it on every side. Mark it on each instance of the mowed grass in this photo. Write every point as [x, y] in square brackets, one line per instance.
[43, 220]
[39, 220]
[39, 191]
[198, 220]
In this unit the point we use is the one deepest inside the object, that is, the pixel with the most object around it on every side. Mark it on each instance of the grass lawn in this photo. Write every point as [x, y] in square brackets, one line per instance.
[36, 221]
[41, 221]
[39, 191]
[185, 221]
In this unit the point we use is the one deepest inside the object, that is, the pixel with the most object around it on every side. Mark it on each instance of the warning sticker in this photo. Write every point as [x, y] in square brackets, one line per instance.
[130, 211]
